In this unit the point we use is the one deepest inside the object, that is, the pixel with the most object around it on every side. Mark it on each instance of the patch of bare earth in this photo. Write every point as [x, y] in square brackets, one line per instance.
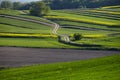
[15, 57]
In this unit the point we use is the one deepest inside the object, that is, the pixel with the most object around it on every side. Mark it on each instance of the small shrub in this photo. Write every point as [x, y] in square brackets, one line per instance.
[77, 36]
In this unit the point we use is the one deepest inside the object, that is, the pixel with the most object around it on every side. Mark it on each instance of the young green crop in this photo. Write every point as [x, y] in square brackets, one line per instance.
[27, 35]
[102, 11]
[19, 26]
[80, 18]
[104, 41]
[24, 14]
[109, 7]
[41, 42]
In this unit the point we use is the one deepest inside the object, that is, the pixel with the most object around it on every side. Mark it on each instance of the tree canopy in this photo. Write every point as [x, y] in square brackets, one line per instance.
[61, 4]
[6, 4]
[39, 9]
[17, 5]
[71, 4]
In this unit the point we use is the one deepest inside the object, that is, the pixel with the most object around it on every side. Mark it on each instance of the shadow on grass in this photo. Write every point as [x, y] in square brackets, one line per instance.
[2, 68]
[81, 45]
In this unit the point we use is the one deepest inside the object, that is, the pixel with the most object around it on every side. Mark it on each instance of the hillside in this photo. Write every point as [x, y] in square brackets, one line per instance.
[107, 68]
[77, 32]
[97, 27]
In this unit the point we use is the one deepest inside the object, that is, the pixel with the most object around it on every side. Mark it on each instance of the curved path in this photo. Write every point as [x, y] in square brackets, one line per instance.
[15, 57]
[54, 31]
[56, 27]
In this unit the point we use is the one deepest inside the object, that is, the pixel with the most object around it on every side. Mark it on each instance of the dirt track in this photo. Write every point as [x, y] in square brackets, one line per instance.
[14, 57]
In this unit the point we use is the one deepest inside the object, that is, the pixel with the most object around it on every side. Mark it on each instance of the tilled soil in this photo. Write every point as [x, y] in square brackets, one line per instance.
[16, 57]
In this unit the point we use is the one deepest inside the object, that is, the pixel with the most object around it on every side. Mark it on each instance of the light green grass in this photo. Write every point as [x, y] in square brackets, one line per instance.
[21, 13]
[92, 14]
[8, 11]
[72, 31]
[79, 24]
[105, 41]
[18, 26]
[111, 7]
[66, 16]
[33, 42]
[107, 68]
[14, 29]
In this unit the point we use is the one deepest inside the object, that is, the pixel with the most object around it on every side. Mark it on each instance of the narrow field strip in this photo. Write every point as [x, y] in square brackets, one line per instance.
[90, 13]
[101, 21]
[24, 19]
[102, 11]
[18, 13]
[26, 35]
[86, 28]
[111, 7]
[25, 23]
[83, 25]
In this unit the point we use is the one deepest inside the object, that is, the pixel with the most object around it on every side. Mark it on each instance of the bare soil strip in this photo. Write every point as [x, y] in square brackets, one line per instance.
[16, 57]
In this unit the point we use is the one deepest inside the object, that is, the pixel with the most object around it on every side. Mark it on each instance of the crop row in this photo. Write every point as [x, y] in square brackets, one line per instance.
[21, 23]
[107, 7]
[102, 11]
[92, 35]
[82, 20]
[98, 15]
[18, 13]
[28, 35]
[92, 14]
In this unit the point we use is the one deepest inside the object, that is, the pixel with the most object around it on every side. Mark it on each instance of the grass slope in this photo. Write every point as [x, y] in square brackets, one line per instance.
[33, 42]
[12, 25]
[8, 25]
[107, 68]
[24, 14]
[104, 41]
[81, 18]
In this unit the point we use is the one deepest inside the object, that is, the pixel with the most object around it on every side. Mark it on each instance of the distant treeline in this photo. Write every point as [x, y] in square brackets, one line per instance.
[71, 4]
[61, 4]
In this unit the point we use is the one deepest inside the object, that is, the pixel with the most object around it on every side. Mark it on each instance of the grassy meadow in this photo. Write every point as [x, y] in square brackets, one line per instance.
[107, 68]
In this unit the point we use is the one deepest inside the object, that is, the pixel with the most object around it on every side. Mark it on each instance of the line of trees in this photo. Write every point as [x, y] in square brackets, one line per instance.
[7, 4]
[37, 8]
[61, 4]
[71, 4]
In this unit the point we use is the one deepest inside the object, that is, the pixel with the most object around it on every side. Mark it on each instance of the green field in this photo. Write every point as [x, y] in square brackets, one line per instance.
[102, 21]
[100, 26]
[107, 68]
[23, 14]
[18, 26]
[33, 42]
[105, 41]
[99, 22]
[81, 18]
